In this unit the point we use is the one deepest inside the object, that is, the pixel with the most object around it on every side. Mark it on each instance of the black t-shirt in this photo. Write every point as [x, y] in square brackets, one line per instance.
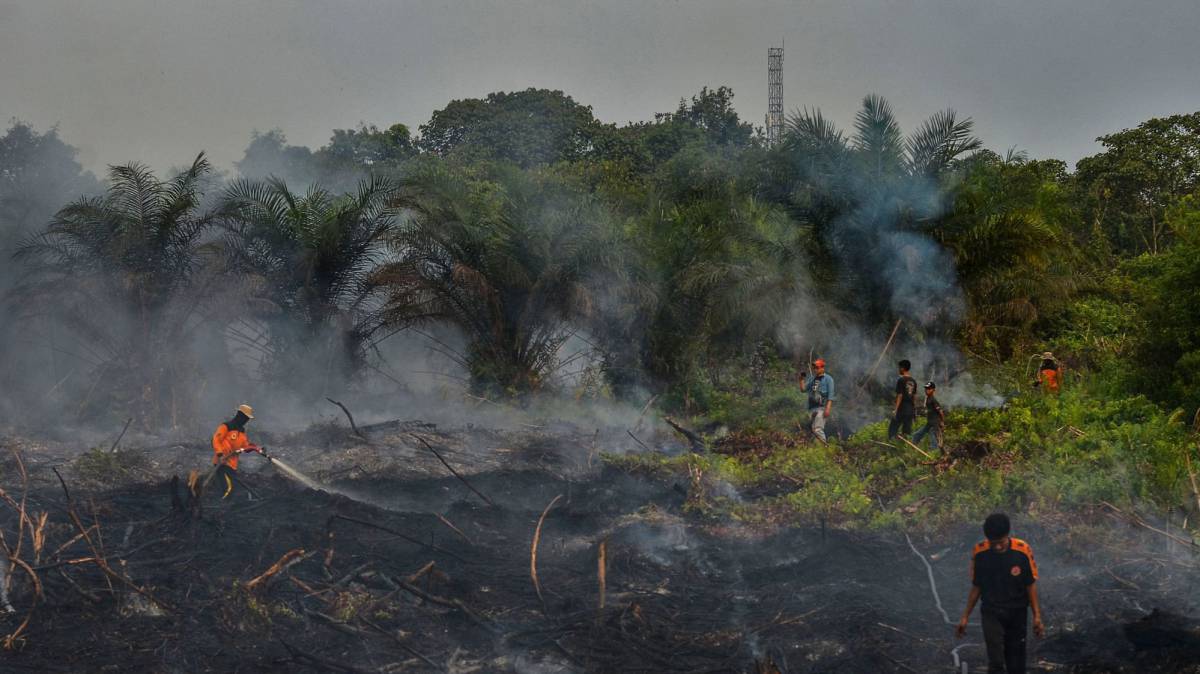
[906, 388]
[933, 410]
[1048, 365]
[1003, 578]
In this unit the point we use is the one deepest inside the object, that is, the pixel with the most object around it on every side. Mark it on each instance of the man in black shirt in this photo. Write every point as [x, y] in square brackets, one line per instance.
[935, 419]
[1004, 574]
[905, 409]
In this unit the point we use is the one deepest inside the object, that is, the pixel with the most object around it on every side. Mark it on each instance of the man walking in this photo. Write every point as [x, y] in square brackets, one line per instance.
[820, 398]
[905, 409]
[1004, 574]
[935, 419]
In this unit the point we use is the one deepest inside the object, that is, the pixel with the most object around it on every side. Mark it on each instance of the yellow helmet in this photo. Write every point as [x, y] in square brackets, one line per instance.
[247, 410]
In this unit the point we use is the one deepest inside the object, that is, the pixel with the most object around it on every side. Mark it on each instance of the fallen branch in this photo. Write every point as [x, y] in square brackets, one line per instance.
[350, 417]
[533, 550]
[289, 558]
[924, 453]
[98, 557]
[694, 438]
[401, 644]
[416, 575]
[320, 662]
[118, 440]
[452, 471]
[393, 532]
[10, 641]
[453, 528]
[638, 426]
[442, 601]
[635, 439]
[1142, 523]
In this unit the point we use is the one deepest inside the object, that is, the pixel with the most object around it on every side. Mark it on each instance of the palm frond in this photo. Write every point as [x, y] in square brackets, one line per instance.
[941, 139]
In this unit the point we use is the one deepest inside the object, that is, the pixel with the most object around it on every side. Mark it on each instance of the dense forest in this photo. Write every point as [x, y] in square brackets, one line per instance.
[537, 281]
[514, 225]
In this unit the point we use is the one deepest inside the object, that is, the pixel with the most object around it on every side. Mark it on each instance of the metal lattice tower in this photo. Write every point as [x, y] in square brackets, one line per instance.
[774, 95]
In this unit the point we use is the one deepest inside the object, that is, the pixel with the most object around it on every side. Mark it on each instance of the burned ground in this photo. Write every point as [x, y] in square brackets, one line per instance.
[401, 567]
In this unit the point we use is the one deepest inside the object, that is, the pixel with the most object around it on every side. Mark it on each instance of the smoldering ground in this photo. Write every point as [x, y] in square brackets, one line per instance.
[628, 581]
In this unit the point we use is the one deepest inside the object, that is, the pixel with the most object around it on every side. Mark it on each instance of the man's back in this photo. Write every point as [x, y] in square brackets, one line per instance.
[906, 388]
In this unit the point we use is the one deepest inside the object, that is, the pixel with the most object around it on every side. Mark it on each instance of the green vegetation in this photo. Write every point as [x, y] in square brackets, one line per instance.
[674, 248]
[1037, 453]
[104, 467]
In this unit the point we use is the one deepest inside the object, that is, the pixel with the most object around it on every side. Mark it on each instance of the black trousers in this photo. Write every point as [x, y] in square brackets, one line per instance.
[900, 423]
[1004, 634]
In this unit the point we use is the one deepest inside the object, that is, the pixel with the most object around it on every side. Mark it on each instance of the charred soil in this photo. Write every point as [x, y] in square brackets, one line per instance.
[402, 566]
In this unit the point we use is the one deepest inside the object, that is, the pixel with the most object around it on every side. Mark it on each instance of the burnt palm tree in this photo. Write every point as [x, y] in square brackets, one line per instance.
[115, 268]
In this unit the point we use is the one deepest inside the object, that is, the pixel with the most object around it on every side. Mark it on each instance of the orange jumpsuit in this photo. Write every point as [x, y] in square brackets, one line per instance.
[226, 444]
[1049, 379]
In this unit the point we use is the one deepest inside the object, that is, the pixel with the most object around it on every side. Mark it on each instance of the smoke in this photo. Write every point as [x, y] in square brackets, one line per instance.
[896, 296]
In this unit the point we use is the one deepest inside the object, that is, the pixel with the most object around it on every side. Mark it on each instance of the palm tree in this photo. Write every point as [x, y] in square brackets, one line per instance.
[1013, 254]
[507, 262]
[726, 268]
[114, 269]
[871, 194]
[307, 261]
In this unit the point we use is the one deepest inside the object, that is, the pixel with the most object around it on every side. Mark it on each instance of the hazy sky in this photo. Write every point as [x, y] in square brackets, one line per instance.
[159, 80]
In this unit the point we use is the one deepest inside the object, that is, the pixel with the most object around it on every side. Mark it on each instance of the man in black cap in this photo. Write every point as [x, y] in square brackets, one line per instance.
[1004, 574]
[935, 419]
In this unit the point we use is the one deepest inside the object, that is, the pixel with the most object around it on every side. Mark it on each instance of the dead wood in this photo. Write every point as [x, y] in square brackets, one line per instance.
[414, 652]
[452, 471]
[303, 656]
[453, 528]
[349, 417]
[442, 601]
[98, 557]
[1142, 523]
[533, 550]
[393, 532]
[635, 439]
[602, 570]
[122, 435]
[327, 564]
[173, 487]
[285, 562]
[638, 425]
[924, 453]
[694, 438]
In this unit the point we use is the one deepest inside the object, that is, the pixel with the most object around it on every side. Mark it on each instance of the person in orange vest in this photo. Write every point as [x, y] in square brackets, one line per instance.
[230, 441]
[1005, 576]
[1049, 373]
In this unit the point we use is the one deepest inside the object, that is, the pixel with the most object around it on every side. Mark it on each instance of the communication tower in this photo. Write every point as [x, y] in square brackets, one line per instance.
[774, 95]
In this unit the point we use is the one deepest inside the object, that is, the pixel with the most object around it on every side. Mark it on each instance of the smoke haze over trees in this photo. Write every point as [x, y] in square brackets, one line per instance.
[511, 227]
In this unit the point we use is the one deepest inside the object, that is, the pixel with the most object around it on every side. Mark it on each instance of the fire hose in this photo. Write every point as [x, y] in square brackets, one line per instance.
[959, 664]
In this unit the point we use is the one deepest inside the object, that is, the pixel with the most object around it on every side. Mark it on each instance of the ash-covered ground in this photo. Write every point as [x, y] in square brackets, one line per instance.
[402, 567]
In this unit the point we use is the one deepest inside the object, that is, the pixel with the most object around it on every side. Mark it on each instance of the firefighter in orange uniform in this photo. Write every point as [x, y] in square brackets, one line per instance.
[1049, 373]
[229, 441]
